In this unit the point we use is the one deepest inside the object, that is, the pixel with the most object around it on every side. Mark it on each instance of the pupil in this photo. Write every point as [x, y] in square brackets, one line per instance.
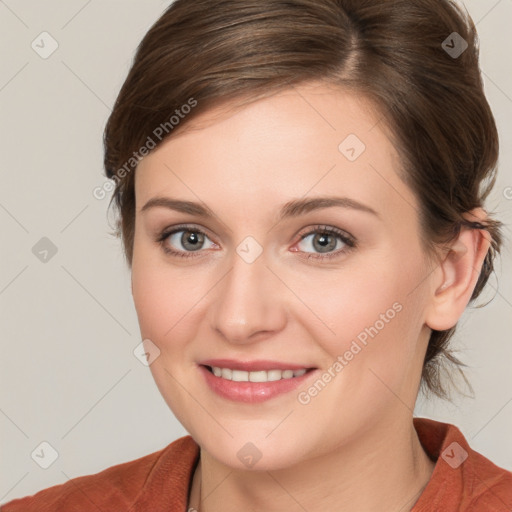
[323, 242]
[191, 240]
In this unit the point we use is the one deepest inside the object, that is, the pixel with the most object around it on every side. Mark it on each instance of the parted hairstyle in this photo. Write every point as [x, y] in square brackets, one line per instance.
[204, 53]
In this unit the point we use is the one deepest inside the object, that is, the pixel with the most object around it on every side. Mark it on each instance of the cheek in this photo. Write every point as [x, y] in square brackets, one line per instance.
[160, 295]
[166, 306]
[164, 301]
[371, 358]
[373, 311]
[347, 301]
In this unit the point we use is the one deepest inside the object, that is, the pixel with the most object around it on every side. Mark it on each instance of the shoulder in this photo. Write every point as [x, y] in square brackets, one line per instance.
[463, 479]
[489, 487]
[118, 487]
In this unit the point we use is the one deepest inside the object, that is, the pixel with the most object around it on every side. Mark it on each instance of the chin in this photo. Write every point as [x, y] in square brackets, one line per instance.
[255, 453]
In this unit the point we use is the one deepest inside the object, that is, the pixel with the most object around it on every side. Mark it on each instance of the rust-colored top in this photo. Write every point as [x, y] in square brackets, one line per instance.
[462, 481]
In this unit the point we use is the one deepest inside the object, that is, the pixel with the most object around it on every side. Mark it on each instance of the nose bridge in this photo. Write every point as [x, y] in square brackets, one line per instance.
[247, 301]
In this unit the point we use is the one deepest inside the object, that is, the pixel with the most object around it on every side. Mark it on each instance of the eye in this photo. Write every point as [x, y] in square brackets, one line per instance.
[328, 241]
[183, 241]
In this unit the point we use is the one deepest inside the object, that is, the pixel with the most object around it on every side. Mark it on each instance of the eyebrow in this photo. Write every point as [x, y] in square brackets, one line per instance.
[292, 208]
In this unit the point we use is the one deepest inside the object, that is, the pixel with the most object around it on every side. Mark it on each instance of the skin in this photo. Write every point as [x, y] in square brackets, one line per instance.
[353, 446]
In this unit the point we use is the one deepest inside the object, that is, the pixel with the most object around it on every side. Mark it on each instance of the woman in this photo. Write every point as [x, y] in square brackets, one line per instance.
[300, 187]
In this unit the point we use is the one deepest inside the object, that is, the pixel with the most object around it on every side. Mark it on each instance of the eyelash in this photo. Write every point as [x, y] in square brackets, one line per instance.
[348, 240]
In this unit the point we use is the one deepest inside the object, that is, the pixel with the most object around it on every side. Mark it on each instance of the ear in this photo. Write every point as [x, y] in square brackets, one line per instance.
[456, 277]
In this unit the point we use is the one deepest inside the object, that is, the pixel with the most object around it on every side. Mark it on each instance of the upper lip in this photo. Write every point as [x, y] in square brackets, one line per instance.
[253, 366]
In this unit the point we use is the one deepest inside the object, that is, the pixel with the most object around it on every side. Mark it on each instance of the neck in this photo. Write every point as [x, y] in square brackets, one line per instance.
[385, 469]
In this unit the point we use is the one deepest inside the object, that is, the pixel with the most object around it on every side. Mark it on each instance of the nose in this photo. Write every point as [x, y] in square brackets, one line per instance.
[249, 304]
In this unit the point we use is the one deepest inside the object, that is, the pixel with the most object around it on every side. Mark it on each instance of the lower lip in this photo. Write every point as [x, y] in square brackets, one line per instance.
[251, 392]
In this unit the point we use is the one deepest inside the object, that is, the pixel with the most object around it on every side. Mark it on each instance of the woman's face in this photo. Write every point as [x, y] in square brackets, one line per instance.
[262, 282]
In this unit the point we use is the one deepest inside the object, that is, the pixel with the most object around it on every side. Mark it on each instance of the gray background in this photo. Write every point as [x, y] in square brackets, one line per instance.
[69, 327]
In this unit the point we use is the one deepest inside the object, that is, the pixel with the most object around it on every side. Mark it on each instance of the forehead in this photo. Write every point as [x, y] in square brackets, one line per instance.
[308, 140]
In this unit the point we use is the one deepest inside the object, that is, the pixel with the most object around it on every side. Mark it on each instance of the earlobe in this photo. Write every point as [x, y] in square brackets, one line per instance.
[459, 272]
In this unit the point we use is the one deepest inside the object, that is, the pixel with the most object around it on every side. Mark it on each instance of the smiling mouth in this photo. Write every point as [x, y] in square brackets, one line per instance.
[256, 376]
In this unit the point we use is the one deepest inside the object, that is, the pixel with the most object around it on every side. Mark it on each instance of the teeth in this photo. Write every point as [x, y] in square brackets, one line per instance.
[258, 376]
[240, 376]
[226, 373]
[274, 375]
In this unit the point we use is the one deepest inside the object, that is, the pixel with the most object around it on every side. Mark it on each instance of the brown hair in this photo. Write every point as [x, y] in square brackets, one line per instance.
[208, 52]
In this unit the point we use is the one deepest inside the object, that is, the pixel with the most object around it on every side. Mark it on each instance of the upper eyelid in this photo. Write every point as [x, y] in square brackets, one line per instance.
[331, 230]
[176, 229]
